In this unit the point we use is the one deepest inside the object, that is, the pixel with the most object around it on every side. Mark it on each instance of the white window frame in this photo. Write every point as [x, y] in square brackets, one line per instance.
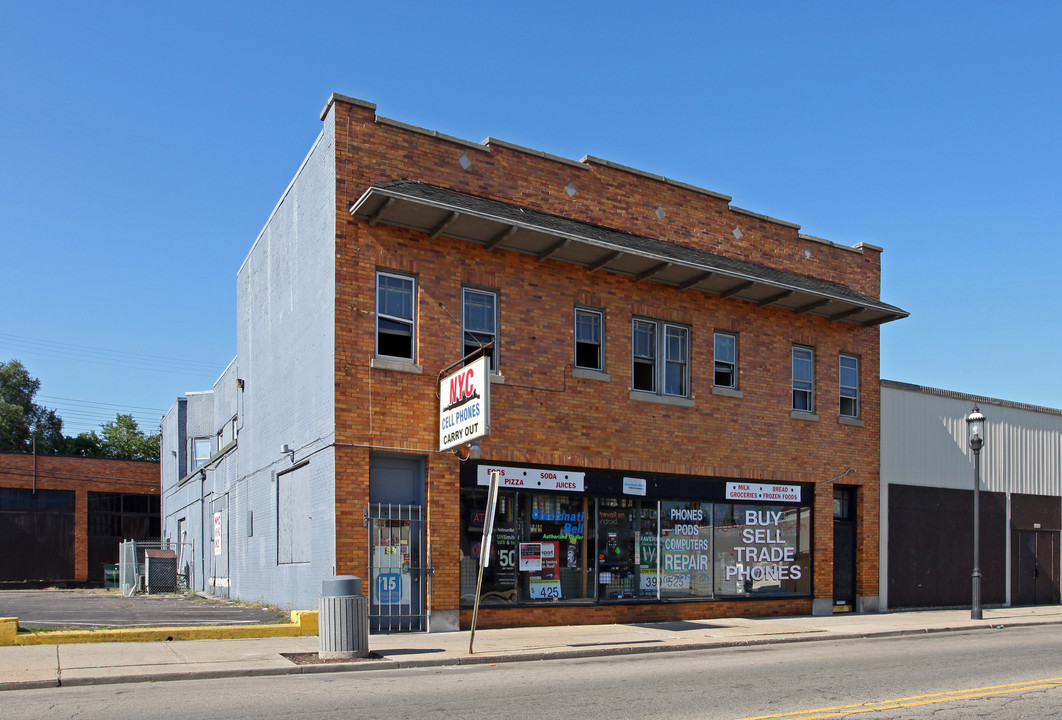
[410, 321]
[730, 364]
[803, 386]
[848, 392]
[197, 460]
[600, 343]
[659, 357]
[478, 337]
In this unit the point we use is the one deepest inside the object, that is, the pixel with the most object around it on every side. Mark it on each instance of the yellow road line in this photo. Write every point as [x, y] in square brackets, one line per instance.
[915, 700]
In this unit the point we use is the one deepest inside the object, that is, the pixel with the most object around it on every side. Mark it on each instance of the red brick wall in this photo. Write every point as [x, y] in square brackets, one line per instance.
[560, 614]
[541, 414]
[82, 475]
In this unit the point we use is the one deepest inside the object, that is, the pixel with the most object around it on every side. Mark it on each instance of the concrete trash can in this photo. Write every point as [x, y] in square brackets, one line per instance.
[343, 619]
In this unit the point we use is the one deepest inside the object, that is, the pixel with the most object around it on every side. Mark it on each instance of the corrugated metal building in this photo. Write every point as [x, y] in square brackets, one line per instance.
[927, 476]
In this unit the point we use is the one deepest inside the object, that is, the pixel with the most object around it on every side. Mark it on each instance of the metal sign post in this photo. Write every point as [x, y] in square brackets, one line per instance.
[484, 548]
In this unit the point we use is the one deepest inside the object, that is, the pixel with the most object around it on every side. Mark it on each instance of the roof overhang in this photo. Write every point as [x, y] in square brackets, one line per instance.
[497, 225]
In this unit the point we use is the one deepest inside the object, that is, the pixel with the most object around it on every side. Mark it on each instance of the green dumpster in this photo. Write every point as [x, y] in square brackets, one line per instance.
[110, 576]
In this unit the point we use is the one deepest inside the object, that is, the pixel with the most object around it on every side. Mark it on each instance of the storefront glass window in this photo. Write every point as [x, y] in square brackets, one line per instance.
[626, 548]
[499, 577]
[762, 549]
[685, 549]
[557, 547]
[555, 561]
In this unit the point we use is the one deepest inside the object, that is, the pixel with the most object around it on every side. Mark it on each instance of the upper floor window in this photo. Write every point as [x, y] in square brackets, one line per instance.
[200, 451]
[803, 378]
[725, 360]
[660, 358]
[589, 340]
[479, 323]
[849, 384]
[395, 320]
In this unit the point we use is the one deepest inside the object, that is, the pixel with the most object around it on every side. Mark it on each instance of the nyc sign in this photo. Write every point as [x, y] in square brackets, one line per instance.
[464, 402]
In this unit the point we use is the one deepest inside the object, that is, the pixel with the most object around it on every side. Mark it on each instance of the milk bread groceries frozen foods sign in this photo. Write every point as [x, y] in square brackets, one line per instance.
[464, 405]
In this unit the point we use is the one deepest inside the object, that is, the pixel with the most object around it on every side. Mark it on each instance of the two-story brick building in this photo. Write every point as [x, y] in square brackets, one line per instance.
[684, 395]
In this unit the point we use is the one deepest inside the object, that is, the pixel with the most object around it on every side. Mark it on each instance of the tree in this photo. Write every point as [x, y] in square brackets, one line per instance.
[21, 419]
[122, 439]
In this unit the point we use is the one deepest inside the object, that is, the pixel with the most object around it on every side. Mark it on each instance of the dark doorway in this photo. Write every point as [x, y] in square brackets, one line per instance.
[844, 548]
[397, 558]
[930, 542]
[113, 517]
[36, 534]
[1035, 562]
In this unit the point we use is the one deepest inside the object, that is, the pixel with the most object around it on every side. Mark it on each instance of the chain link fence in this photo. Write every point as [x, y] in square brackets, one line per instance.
[153, 567]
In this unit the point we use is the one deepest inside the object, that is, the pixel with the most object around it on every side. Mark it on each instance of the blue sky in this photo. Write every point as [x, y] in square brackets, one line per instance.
[143, 146]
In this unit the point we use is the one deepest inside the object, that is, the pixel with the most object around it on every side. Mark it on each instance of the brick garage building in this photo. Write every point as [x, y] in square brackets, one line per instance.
[61, 518]
[674, 384]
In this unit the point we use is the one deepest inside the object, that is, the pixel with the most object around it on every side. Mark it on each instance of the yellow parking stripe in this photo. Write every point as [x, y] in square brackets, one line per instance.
[841, 710]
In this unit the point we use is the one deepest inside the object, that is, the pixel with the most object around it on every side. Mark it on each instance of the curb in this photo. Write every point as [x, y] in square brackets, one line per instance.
[303, 622]
[483, 659]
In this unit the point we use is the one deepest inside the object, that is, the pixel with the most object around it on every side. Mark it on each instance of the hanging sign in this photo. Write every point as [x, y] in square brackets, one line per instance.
[464, 400]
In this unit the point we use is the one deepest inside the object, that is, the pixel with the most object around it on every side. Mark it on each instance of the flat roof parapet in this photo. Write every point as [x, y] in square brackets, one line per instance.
[490, 141]
[761, 216]
[584, 164]
[348, 100]
[653, 176]
[831, 243]
[431, 133]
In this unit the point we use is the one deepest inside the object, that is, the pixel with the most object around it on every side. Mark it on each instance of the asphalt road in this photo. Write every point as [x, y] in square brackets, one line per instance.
[1009, 674]
[98, 608]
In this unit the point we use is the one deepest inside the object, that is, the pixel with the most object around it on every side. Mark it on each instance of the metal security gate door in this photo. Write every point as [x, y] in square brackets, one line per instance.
[397, 576]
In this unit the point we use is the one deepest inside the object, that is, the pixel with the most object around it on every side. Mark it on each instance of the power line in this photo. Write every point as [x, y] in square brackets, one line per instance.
[90, 415]
[102, 356]
[105, 351]
[95, 403]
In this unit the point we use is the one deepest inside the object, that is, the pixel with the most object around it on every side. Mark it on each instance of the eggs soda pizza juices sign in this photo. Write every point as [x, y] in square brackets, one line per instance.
[463, 405]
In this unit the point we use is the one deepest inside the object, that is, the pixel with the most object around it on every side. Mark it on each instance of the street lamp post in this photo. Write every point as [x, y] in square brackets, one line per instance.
[975, 421]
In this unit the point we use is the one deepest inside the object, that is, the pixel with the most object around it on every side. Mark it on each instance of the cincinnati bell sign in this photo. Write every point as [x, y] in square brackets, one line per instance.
[464, 405]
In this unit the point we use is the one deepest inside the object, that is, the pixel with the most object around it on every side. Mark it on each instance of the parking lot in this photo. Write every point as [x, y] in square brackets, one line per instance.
[108, 608]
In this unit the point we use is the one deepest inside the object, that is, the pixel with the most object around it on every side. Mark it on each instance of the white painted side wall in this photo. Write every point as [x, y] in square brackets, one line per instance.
[285, 356]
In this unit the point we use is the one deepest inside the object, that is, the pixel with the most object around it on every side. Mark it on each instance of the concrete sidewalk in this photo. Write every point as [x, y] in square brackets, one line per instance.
[99, 663]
